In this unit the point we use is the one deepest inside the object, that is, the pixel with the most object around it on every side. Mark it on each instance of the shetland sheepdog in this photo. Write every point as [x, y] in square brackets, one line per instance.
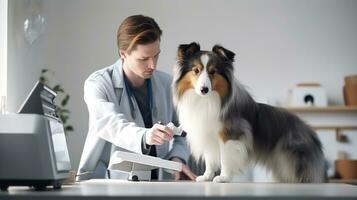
[229, 130]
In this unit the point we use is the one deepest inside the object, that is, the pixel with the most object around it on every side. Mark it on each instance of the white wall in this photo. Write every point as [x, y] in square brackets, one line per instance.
[278, 43]
[3, 47]
[25, 60]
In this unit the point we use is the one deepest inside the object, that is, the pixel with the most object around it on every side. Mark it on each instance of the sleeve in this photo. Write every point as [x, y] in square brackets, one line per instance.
[107, 122]
[179, 149]
[145, 148]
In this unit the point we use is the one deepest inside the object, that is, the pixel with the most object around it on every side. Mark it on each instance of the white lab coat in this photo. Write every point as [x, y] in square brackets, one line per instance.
[113, 125]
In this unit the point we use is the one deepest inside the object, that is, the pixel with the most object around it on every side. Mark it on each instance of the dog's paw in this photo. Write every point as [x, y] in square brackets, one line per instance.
[222, 179]
[203, 178]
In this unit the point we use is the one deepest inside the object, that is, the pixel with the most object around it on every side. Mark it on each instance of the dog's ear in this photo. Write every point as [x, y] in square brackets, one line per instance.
[223, 53]
[187, 50]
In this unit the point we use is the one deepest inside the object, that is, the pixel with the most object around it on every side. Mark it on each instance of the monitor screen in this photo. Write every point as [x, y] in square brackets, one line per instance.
[40, 101]
[59, 146]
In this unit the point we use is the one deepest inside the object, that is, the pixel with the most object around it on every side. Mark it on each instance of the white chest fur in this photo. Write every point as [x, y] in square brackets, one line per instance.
[199, 116]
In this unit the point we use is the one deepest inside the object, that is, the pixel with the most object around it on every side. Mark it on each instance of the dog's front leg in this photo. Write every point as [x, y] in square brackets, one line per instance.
[226, 164]
[211, 167]
[234, 155]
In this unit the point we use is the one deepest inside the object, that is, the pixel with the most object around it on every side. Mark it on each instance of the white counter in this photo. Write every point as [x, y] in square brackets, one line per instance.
[117, 189]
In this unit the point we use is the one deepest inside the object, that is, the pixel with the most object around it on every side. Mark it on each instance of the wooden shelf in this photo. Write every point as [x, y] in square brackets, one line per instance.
[339, 117]
[322, 109]
[332, 127]
[348, 181]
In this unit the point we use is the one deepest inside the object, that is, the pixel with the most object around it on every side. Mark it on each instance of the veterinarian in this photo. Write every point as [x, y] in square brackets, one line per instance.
[126, 100]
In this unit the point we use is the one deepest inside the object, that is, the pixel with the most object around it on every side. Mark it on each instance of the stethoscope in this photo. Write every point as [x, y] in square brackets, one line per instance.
[131, 97]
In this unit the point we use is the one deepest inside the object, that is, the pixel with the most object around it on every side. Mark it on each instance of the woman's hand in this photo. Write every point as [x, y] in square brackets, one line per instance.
[158, 135]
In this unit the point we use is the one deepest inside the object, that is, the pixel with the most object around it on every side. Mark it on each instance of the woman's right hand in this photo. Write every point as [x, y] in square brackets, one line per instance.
[158, 135]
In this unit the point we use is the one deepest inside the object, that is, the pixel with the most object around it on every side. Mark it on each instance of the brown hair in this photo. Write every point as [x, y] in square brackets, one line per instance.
[135, 30]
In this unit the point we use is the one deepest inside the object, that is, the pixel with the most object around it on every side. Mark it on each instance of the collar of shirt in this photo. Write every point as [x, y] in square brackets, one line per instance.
[119, 81]
[118, 74]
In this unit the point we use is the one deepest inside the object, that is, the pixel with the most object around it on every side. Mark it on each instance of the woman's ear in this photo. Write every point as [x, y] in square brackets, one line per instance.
[122, 54]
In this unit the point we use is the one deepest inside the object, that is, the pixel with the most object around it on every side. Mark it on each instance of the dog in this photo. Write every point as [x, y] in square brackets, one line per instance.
[229, 130]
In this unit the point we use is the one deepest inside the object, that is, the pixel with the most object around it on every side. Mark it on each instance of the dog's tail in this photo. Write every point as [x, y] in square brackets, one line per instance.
[310, 167]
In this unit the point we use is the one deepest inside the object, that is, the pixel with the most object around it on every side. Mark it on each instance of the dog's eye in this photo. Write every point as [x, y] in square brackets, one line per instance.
[212, 72]
[196, 70]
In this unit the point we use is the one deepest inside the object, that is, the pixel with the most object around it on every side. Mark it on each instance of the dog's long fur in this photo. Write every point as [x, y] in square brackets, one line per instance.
[228, 129]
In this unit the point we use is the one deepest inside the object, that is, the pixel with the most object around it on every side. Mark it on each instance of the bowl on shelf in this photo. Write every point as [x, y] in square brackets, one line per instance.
[346, 169]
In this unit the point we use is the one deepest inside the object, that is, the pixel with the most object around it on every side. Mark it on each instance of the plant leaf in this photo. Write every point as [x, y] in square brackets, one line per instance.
[58, 109]
[68, 128]
[65, 111]
[43, 80]
[65, 100]
[58, 88]
[64, 118]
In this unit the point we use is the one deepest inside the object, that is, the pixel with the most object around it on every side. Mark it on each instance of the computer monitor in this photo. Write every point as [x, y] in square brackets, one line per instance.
[40, 101]
[39, 143]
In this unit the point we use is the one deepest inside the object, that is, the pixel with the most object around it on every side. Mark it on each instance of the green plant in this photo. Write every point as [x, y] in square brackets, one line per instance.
[61, 109]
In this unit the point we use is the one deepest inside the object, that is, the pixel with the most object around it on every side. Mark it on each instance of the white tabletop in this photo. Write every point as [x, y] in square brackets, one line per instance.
[119, 189]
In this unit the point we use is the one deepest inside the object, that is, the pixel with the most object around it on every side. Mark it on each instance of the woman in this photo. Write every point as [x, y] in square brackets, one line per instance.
[125, 100]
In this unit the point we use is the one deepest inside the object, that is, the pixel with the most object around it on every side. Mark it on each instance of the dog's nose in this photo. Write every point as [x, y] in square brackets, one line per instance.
[204, 90]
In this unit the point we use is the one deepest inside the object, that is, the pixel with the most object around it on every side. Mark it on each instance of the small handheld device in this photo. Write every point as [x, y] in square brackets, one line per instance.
[178, 131]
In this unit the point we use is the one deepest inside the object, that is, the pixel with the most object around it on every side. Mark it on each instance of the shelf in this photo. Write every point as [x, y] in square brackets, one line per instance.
[322, 109]
[337, 127]
[338, 118]
[348, 181]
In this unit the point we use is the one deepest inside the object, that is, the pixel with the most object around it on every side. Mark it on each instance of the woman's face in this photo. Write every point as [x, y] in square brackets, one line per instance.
[143, 59]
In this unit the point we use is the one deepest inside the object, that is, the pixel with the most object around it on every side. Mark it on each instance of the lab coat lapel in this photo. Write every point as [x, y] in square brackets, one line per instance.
[157, 115]
[124, 104]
